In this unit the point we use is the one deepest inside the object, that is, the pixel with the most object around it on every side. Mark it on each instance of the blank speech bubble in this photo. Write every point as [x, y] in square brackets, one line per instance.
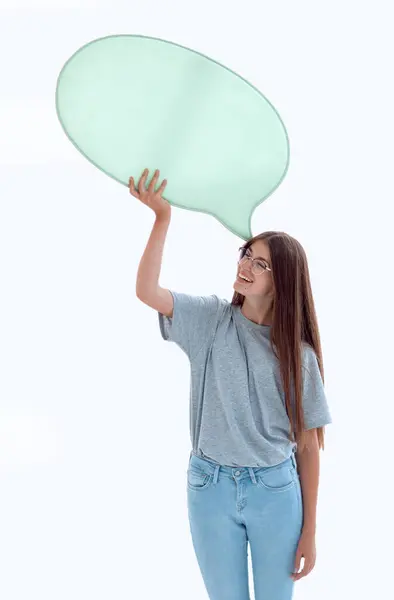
[128, 102]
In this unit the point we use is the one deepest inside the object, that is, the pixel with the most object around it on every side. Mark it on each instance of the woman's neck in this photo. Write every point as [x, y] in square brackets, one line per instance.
[261, 315]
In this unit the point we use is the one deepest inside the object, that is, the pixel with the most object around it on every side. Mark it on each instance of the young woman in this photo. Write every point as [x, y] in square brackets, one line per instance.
[257, 410]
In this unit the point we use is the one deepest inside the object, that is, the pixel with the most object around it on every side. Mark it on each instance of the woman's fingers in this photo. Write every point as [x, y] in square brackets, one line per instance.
[162, 187]
[142, 181]
[141, 190]
[152, 184]
[132, 189]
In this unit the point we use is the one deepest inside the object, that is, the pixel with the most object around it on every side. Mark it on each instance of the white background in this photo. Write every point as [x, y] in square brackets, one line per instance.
[94, 415]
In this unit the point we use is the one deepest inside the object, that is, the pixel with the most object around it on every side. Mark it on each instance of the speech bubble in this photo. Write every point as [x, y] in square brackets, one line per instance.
[128, 102]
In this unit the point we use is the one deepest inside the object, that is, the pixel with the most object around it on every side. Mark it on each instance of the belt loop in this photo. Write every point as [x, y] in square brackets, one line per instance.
[252, 475]
[216, 474]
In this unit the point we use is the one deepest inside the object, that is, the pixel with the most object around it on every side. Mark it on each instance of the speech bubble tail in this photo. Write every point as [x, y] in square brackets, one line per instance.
[237, 220]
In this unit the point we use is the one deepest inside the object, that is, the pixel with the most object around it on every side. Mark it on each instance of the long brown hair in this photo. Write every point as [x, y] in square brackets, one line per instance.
[294, 321]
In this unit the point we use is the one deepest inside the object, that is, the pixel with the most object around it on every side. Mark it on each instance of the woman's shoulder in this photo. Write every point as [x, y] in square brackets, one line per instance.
[308, 352]
[310, 359]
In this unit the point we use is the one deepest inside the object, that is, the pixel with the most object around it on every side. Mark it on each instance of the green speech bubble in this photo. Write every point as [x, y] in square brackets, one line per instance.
[128, 102]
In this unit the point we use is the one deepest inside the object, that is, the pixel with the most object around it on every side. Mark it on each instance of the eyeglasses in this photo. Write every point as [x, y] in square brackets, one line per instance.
[258, 266]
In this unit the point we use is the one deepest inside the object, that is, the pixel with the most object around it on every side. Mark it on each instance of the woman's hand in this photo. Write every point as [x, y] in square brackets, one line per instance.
[307, 549]
[148, 196]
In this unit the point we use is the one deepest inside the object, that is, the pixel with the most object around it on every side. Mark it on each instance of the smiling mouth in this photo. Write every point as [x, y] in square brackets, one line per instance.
[243, 280]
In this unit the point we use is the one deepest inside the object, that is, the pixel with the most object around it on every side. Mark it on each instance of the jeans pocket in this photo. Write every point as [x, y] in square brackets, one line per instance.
[277, 479]
[198, 480]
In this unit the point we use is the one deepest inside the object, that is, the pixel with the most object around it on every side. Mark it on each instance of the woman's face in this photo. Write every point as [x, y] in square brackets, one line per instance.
[261, 283]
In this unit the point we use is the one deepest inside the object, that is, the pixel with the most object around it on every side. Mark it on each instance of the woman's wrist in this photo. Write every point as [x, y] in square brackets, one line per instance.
[309, 528]
[164, 214]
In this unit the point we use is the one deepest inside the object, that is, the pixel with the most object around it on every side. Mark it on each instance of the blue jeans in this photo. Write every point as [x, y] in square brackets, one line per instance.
[231, 506]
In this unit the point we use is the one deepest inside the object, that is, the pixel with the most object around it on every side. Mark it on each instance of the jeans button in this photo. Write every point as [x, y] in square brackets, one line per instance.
[237, 473]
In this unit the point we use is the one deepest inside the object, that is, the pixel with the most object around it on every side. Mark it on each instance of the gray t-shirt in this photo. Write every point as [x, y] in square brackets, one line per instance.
[237, 407]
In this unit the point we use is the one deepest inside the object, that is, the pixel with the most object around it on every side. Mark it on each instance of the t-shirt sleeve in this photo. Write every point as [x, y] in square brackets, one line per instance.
[192, 322]
[316, 409]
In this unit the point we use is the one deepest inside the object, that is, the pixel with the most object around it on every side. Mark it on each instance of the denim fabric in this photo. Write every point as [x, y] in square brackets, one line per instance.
[231, 506]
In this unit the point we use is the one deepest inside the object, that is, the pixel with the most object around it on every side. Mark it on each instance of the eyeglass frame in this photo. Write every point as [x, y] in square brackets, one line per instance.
[266, 268]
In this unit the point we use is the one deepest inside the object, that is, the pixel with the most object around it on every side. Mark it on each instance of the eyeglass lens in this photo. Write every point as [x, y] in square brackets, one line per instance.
[257, 266]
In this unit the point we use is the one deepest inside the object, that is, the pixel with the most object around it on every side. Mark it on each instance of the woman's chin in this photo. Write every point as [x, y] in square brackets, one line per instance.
[240, 287]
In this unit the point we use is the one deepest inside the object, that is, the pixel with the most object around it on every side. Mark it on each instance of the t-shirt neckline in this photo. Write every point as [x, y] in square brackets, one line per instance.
[248, 322]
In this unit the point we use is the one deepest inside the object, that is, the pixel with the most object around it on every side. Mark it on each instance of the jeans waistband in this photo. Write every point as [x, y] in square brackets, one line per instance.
[214, 467]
